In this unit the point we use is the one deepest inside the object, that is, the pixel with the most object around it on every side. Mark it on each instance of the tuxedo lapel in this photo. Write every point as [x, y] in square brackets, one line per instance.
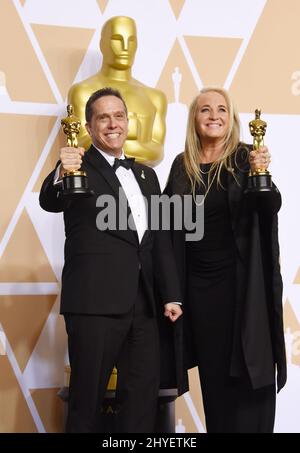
[142, 182]
[99, 163]
[146, 190]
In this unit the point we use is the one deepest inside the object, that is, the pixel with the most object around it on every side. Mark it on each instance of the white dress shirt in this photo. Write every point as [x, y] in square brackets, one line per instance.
[133, 194]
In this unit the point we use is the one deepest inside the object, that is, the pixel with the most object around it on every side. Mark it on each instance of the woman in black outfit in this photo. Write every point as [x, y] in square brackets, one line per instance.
[231, 278]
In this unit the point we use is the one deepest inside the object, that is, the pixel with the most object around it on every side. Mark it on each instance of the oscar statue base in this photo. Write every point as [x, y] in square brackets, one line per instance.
[165, 412]
[76, 184]
[260, 182]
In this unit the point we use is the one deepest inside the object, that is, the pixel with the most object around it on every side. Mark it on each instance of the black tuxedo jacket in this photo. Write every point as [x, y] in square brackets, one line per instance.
[101, 270]
[258, 333]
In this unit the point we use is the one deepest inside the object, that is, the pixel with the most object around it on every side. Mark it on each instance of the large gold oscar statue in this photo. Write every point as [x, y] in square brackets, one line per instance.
[146, 106]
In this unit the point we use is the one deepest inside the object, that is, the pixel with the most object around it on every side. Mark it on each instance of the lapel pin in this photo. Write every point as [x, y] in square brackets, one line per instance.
[143, 175]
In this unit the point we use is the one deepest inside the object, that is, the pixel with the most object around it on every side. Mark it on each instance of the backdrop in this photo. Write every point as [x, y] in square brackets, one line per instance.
[250, 47]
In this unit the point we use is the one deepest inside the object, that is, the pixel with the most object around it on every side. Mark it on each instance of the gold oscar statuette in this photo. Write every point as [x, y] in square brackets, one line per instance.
[260, 180]
[75, 182]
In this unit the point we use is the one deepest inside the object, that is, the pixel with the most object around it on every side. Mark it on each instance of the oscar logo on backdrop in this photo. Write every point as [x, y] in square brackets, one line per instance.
[177, 78]
[177, 115]
[146, 106]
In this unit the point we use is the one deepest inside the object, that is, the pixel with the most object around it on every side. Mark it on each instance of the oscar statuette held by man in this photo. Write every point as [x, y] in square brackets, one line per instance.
[74, 183]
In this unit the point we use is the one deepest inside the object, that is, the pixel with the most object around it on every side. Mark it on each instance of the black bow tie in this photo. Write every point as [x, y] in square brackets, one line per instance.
[126, 163]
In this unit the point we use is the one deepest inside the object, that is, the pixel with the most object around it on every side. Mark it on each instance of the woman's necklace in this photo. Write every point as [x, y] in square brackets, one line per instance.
[206, 192]
[204, 172]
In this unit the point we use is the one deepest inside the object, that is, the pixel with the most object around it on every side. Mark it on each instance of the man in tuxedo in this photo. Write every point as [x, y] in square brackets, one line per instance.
[109, 275]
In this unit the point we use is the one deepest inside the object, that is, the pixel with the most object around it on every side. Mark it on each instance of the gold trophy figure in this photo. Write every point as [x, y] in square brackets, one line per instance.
[75, 182]
[147, 106]
[259, 180]
[71, 127]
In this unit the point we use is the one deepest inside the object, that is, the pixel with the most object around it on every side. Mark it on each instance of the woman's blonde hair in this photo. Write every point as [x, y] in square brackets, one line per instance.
[193, 145]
